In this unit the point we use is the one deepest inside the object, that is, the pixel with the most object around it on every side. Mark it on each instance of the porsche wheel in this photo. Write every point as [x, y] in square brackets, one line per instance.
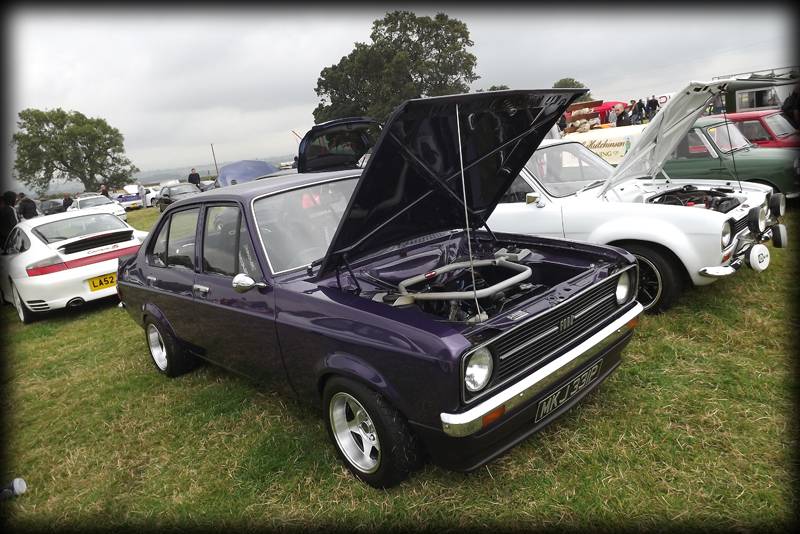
[24, 313]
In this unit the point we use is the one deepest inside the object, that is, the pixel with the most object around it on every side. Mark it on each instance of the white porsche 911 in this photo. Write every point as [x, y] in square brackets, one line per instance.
[64, 260]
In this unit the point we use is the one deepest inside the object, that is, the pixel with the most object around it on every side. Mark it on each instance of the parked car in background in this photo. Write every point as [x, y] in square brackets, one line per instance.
[174, 193]
[712, 148]
[97, 202]
[766, 128]
[128, 198]
[205, 185]
[381, 297]
[683, 232]
[51, 206]
[715, 149]
[63, 260]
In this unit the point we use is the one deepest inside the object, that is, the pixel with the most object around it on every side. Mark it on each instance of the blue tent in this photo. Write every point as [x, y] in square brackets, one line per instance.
[243, 171]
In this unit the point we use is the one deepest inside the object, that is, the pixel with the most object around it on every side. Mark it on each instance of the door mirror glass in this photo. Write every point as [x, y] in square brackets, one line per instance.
[532, 198]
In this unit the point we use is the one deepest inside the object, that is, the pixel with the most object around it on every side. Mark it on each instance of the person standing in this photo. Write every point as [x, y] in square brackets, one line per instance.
[651, 108]
[142, 194]
[791, 108]
[104, 190]
[640, 111]
[67, 202]
[194, 178]
[26, 208]
[612, 117]
[8, 216]
[623, 118]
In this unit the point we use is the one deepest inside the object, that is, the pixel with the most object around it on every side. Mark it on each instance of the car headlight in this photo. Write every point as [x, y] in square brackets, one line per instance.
[757, 219]
[623, 287]
[727, 234]
[478, 369]
[777, 204]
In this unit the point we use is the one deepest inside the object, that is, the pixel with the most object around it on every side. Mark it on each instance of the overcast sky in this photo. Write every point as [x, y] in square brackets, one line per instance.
[175, 81]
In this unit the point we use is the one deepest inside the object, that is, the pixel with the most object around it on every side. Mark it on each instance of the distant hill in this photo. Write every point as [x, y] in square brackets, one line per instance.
[208, 169]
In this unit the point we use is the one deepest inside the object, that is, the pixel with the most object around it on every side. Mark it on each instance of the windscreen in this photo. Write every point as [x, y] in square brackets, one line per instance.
[566, 168]
[78, 226]
[181, 189]
[296, 227]
[727, 137]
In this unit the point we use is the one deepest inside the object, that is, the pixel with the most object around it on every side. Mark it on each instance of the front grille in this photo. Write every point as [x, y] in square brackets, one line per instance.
[739, 225]
[540, 340]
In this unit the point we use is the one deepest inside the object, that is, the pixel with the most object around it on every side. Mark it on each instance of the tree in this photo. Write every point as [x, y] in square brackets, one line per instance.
[409, 57]
[500, 87]
[572, 82]
[69, 146]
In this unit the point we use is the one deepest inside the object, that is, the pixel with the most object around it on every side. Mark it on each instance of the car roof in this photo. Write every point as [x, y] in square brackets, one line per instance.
[29, 224]
[709, 120]
[744, 115]
[249, 190]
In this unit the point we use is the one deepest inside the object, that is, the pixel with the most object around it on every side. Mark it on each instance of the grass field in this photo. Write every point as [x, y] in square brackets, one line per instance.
[696, 428]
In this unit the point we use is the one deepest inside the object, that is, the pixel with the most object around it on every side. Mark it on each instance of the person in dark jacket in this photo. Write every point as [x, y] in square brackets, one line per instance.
[8, 217]
[194, 178]
[67, 202]
[26, 208]
[623, 119]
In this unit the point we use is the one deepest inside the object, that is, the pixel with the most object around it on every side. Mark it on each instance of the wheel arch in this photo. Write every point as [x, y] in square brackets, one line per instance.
[660, 248]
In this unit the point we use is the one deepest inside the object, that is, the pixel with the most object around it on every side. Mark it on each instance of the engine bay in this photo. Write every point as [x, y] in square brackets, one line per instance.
[716, 199]
[439, 281]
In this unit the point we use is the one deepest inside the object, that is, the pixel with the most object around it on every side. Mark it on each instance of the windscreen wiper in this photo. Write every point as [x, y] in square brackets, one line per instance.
[591, 185]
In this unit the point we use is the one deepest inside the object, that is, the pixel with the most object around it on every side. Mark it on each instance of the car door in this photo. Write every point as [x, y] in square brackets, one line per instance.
[515, 215]
[170, 272]
[236, 330]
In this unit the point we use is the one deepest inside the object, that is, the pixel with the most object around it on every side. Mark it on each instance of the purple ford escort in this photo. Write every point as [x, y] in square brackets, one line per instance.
[384, 297]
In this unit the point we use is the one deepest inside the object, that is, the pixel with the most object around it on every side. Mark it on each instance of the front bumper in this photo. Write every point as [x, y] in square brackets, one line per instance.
[742, 248]
[516, 395]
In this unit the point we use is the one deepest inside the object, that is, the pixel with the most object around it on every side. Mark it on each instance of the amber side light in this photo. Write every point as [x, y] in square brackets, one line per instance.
[633, 323]
[493, 416]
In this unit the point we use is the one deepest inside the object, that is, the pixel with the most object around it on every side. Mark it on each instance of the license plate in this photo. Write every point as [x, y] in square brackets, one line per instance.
[567, 391]
[102, 282]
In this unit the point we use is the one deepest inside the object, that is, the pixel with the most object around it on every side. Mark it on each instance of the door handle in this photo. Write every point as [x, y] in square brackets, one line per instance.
[151, 280]
[201, 291]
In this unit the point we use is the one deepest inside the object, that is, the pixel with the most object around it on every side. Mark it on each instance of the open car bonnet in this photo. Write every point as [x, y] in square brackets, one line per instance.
[651, 150]
[411, 185]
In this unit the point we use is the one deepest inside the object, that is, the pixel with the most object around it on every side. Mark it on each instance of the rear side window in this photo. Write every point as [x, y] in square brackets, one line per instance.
[180, 242]
[158, 253]
[227, 249]
[754, 131]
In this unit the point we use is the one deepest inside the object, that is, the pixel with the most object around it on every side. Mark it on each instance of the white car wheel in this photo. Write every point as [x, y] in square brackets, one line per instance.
[25, 315]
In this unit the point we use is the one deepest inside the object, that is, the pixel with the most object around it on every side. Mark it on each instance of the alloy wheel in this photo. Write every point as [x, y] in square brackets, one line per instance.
[355, 432]
[650, 283]
[157, 349]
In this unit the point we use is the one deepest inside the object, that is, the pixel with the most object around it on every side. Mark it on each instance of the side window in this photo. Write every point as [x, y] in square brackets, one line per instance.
[180, 242]
[754, 131]
[227, 249]
[219, 240]
[517, 191]
[248, 264]
[158, 252]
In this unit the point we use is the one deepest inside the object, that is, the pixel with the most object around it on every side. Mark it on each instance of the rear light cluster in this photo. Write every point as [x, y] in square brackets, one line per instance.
[54, 263]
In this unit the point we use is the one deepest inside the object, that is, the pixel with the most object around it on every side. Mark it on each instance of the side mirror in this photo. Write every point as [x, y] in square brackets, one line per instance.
[242, 283]
[532, 198]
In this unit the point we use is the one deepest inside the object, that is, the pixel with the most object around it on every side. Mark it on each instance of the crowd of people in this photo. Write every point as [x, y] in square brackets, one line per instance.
[636, 112]
[14, 207]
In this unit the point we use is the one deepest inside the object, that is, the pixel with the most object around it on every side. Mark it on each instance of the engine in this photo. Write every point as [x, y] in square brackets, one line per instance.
[717, 199]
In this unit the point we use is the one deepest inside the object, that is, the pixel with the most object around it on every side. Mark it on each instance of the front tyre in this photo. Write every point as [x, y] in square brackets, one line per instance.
[660, 281]
[165, 352]
[370, 435]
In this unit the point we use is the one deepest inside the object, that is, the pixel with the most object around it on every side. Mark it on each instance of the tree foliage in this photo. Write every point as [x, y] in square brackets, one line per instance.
[573, 83]
[60, 145]
[409, 57]
[501, 87]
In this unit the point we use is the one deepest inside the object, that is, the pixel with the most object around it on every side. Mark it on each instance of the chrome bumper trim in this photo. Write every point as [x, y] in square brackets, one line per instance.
[721, 271]
[467, 423]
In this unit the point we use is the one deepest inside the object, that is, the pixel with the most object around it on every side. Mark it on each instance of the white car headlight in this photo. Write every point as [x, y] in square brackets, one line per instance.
[623, 287]
[478, 369]
[727, 234]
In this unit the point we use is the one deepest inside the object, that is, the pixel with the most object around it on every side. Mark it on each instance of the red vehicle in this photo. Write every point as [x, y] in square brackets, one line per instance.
[767, 128]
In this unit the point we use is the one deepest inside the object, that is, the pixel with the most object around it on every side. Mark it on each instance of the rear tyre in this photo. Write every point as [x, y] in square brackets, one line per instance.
[165, 352]
[24, 313]
[371, 436]
[660, 280]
